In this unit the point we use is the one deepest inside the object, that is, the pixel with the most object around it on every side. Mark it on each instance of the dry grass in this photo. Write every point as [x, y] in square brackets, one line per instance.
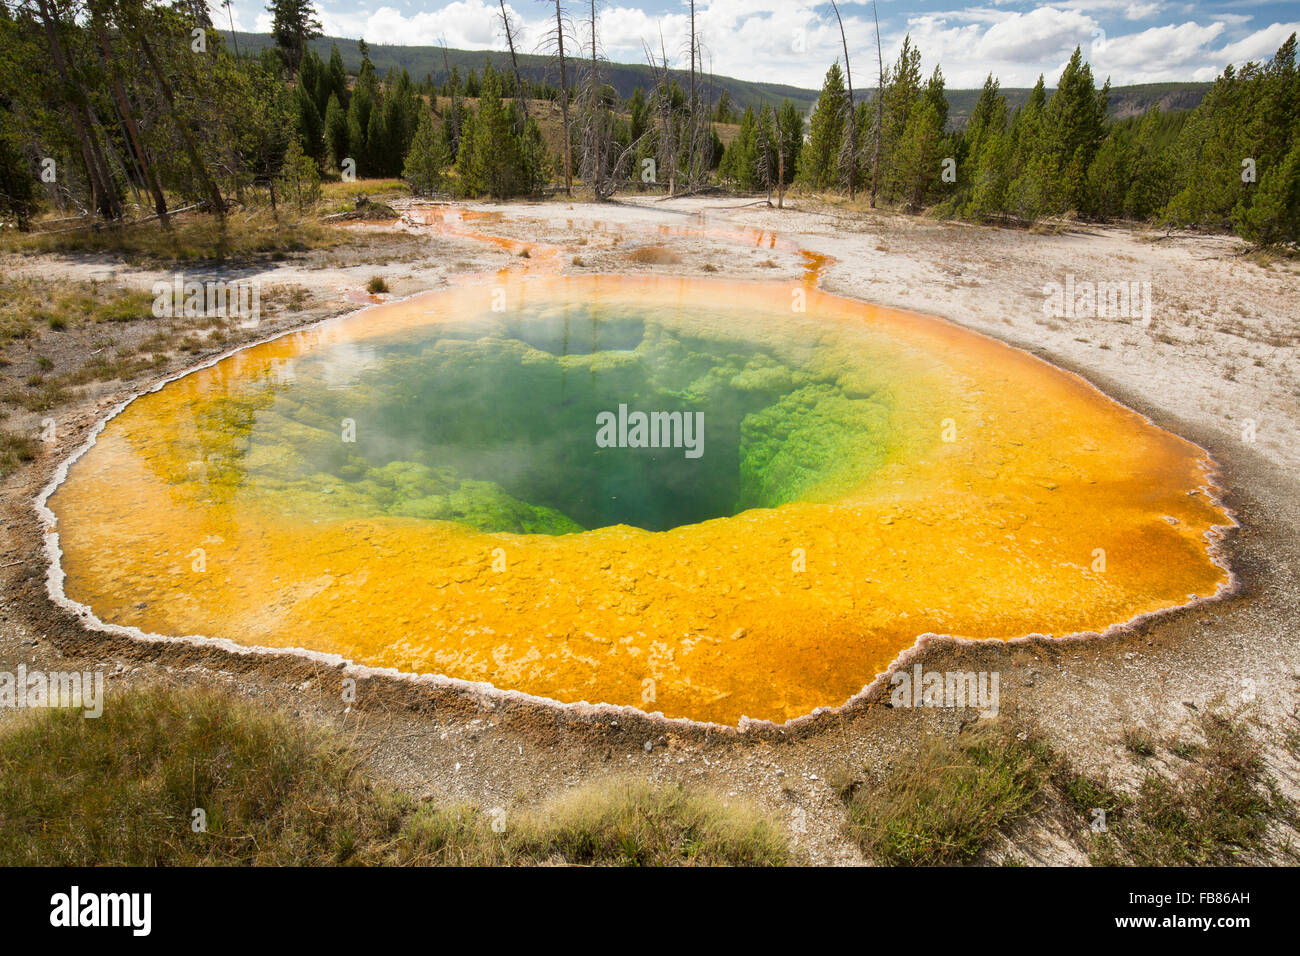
[654, 256]
[14, 450]
[123, 789]
[946, 805]
[251, 235]
[1214, 806]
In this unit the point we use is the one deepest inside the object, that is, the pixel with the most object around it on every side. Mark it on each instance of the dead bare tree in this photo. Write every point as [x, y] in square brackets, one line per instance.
[849, 155]
[511, 30]
[880, 106]
[597, 120]
[698, 124]
[666, 128]
[554, 40]
[764, 146]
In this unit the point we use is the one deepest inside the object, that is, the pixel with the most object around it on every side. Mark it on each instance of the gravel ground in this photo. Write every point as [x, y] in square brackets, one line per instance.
[1220, 349]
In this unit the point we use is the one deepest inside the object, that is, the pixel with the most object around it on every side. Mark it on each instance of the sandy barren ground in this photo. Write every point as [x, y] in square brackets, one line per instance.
[1220, 349]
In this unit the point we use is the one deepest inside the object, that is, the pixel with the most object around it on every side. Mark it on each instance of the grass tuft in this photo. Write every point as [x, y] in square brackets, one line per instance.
[249, 235]
[947, 805]
[14, 450]
[654, 256]
[122, 790]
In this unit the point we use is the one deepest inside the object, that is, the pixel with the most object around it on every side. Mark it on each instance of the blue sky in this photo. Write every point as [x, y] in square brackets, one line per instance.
[1132, 41]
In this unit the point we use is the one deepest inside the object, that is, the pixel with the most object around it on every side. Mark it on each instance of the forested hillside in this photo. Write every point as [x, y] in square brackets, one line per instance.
[118, 108]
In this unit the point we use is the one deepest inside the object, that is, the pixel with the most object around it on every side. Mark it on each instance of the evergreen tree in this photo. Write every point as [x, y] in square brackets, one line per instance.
[1273, 216]
[817, 159]
[1072, 132]
[499, 155]
[17, 185]
[377, 161]
[917, 155]
[789, 123]
[310, 126]
[299, 179]
[726, 109]
[293, 24]
[427, 161]
[336, 131]
[739, 159]
[337, 77]
[900, 96]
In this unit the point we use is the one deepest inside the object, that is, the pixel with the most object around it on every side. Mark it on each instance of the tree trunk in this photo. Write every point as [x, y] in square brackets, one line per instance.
[880, 107]
[103, 195]
[848, 76]
[595, 104]
[132, 131]
[564, 103]
[206, 182]
[514, 60]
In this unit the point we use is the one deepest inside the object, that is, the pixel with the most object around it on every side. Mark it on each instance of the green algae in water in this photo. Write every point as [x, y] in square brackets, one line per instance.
[492, 423]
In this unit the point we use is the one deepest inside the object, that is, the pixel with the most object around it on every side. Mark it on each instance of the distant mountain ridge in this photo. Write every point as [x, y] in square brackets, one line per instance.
[420, 61]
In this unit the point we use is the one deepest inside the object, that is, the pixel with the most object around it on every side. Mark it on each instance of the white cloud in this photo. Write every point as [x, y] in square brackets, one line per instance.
[1035, 35]
[1260, 45]
[794, 42]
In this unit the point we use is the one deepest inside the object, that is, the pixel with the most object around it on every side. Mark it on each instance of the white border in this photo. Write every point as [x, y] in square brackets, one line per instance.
[487, 693]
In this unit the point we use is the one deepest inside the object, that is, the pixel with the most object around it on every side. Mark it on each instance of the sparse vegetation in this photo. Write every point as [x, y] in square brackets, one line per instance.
[14, 450]
[948, 805]
[250, 236]
[1138, 741]
[377, 285]
[654, 256]
[123, 790]
[1213, 809]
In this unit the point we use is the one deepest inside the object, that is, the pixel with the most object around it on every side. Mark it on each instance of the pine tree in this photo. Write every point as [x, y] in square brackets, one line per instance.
[817, 161]
[739, 159]
[310, 126]
[377, 161]
[916, 157]
[1273, 216]
[362, 104]
[1072, 132]
[789, 122]
[293, 24]
[492, 157]
[337, 76]
[726, 110]
[299, 179]
[427, 161]
[336, 132]
[900, 96]
[17, 185]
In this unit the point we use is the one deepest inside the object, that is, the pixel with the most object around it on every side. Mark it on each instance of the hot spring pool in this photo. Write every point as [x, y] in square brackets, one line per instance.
[683, 496]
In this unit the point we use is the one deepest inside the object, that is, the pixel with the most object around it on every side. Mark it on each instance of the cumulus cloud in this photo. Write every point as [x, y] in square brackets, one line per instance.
[794, 42]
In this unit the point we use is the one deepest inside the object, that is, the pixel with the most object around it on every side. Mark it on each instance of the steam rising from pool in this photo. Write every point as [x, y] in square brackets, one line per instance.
[421, 486]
